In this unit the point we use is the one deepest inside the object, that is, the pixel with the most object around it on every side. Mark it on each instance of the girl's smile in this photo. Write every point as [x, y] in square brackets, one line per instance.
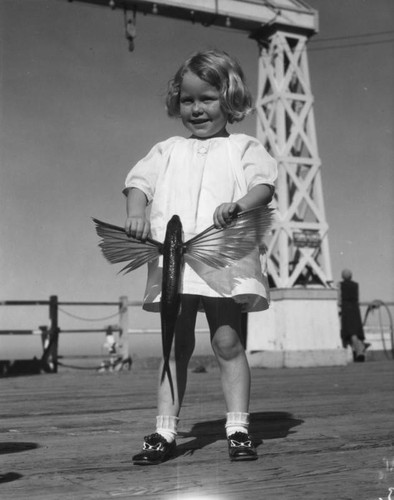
[200, 108]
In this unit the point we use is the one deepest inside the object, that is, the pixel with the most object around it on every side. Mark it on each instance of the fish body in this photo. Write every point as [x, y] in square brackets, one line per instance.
[170, 298]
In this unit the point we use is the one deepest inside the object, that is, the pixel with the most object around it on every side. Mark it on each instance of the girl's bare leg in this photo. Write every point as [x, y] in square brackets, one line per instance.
[160, 445]
[224, 318]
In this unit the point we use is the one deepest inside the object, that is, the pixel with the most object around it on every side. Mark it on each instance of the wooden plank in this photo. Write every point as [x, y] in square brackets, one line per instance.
[326, 433]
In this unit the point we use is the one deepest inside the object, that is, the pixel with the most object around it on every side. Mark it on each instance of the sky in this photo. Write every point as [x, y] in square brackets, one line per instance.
[78, 110]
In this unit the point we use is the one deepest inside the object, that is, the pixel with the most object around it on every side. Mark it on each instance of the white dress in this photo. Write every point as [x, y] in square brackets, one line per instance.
[190, 178]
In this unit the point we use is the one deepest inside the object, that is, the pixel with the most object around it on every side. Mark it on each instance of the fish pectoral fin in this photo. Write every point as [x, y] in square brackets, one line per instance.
[221, 247]
[118, 247]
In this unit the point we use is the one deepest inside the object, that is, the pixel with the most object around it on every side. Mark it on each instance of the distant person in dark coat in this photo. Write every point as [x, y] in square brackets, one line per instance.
[352, 332]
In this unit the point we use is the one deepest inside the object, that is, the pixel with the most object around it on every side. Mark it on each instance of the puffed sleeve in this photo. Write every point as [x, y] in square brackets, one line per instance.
[143, 175]
[259, 166]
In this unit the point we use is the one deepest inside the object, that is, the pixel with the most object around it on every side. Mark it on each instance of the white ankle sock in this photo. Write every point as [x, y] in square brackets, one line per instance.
[166, 426]
[237, 421]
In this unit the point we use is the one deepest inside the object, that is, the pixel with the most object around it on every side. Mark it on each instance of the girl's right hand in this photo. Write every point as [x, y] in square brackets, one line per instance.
[138, 227]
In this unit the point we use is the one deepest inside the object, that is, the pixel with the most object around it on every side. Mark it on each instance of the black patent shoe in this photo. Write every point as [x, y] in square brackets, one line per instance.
[155, 450]
[240, 447]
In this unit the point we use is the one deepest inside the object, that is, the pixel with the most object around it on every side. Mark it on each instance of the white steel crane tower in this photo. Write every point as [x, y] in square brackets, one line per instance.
[298, 251]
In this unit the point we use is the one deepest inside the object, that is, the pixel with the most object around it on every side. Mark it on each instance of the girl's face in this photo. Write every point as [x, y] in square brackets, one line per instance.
[200, 108]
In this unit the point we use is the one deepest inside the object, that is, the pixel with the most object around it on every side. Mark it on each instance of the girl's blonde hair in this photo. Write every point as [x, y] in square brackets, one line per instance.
[222, 72]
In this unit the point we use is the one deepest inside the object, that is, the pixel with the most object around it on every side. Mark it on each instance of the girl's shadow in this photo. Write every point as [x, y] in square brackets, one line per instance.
[263, 425]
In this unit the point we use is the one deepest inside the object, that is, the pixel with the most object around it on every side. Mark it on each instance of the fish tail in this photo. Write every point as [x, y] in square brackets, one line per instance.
[167, 370]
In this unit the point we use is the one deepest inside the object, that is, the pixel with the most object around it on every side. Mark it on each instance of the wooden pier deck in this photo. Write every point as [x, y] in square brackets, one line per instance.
[323, 434]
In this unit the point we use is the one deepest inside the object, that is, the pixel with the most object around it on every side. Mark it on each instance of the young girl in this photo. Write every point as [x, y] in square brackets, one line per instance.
[209, 176]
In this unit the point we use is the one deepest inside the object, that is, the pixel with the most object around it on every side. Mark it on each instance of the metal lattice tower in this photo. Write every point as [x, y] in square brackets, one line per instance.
[298, 252]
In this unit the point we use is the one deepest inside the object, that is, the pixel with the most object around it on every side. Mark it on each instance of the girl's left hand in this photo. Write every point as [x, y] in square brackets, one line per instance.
[224, 214]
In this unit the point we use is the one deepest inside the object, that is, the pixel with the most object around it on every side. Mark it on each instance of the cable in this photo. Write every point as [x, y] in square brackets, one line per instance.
[350, 37]
[377, 304]
[350, 45]
[308, 45]
[88, 319]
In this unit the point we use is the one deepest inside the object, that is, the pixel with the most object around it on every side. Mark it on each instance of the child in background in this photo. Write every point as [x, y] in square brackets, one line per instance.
[209, 176]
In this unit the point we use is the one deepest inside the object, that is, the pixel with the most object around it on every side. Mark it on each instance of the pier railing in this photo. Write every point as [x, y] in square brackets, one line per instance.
[377, 316]
[50, 335]
[378, 326]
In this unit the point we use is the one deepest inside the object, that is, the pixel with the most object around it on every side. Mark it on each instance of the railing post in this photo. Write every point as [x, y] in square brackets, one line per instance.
[53, 315]
[124, 328]
[51, 350]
